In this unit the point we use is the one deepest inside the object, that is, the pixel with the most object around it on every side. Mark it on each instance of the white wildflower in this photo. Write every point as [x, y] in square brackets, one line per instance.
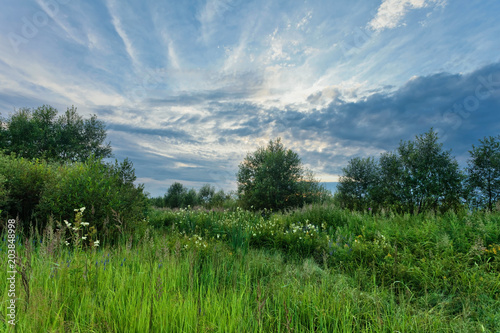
[84, 237]
[84, 224]
[96, 243]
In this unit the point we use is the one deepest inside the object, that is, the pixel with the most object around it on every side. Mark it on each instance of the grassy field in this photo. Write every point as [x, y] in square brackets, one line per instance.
[318, 269]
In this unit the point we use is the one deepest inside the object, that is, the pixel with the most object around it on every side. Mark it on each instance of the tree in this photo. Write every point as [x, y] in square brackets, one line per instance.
[273, 177]
[38, 133]
[421, 176]
[430, 175]
[359, 183]
[175, 195]
[484, 172]
[190, 198]
[206, 194]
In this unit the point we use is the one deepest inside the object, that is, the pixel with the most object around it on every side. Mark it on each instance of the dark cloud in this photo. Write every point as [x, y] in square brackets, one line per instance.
[461, 107]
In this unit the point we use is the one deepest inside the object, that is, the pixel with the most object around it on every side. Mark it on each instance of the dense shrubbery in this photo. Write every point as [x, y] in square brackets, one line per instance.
[35, 190]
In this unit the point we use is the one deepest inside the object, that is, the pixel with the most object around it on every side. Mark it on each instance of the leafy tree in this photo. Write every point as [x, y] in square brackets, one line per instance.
[273, 177]
[484, 172]
[358, 184]
[175, 195]
[38, 133]
[190, 198]
[206, 194]
[209, 197]
[430, 175]
[419, 176]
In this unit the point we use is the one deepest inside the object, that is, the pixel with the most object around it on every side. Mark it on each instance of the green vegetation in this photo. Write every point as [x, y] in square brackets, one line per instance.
[178, 196]
[36, 190]
[37, 133]
[398, 249]
[484, 173]
[421, 177]
[317, 269]
[273, 177]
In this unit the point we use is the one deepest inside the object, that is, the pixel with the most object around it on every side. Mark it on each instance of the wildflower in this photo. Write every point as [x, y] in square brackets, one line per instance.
[82, 209]
[84, 224]
[84, 237]
[67, 243]
[444, 277]
[67, 223]
[96, 243]
[388, 255]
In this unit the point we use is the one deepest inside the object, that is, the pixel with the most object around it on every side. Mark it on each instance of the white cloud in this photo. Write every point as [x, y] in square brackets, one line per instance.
[112, 7]
[391, 12]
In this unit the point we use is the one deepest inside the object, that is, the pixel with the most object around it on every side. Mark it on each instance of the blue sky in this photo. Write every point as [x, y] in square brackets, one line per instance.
[188, 88]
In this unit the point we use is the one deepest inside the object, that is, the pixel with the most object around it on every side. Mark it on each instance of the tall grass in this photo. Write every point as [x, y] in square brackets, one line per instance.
[206, 272]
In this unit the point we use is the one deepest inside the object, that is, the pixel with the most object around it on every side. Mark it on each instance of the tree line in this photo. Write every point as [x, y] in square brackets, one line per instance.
[41, 153]
[179, 196]
[421, 176]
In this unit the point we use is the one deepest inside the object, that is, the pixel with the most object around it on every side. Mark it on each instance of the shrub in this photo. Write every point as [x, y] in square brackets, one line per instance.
[104, 189]
[35, 190]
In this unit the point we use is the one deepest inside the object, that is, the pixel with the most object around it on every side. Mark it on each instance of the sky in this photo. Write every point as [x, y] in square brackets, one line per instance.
[188, 88]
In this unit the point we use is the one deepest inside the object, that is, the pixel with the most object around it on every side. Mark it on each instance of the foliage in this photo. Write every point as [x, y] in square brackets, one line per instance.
[36, 190]
[430, 176]
[175, 195]
[23, 184]
[484, 172]
[178, 196]
[359, 182]
[357, 272]
[420, 176]
[273, 177]
[39, 133]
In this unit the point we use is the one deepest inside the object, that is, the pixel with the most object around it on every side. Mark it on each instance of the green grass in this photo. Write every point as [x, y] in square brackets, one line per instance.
[317, 269]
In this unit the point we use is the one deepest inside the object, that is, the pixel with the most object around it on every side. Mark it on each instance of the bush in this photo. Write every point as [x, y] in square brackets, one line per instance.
[23, 182]
[36, 190]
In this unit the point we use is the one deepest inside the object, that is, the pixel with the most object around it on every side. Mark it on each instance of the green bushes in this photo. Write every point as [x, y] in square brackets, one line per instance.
[23, 184]
[36, 190]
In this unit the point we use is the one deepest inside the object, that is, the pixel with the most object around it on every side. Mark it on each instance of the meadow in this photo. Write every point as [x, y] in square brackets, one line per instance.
[315, 269]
